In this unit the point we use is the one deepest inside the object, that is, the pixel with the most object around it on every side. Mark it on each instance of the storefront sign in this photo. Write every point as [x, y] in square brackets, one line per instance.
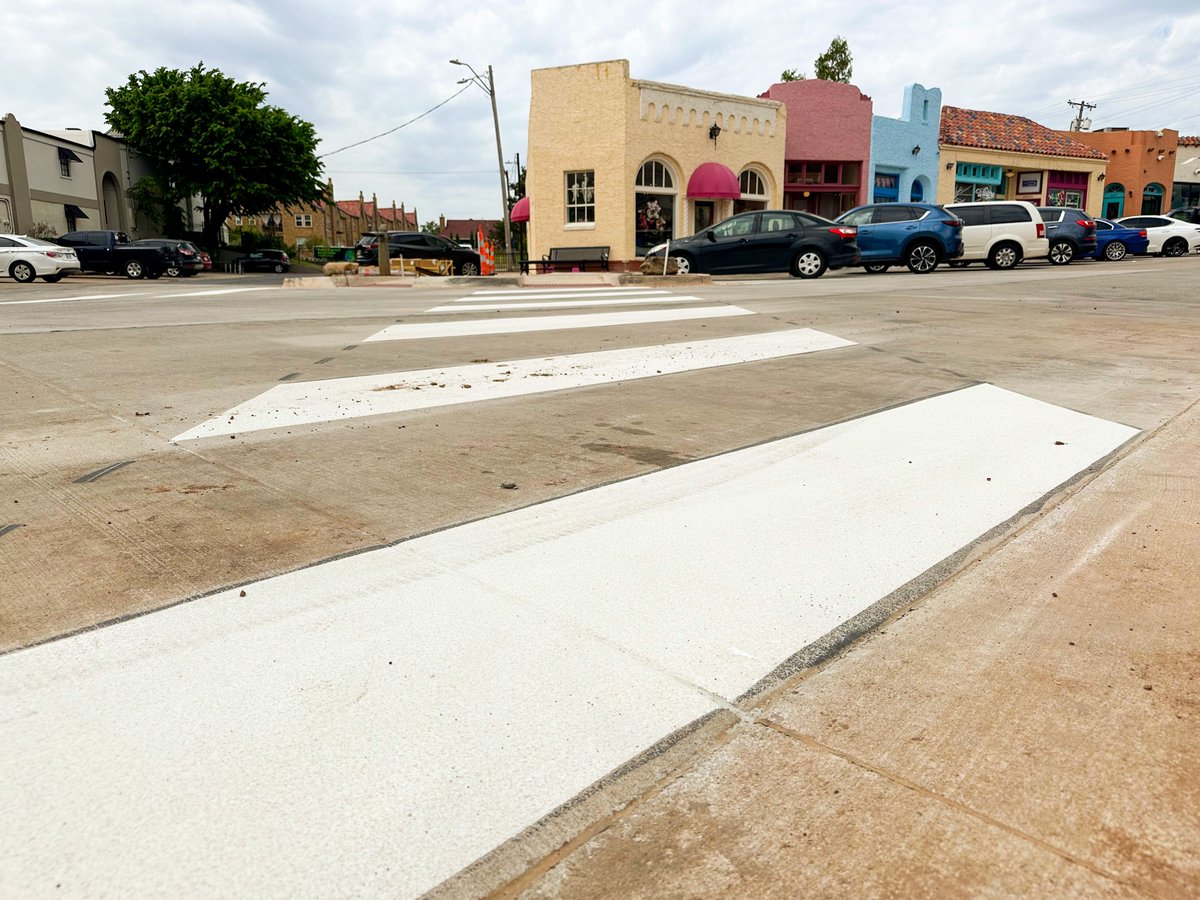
[1029, 183]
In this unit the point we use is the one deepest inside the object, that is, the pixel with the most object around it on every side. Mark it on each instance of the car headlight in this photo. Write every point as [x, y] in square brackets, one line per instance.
[657, 250]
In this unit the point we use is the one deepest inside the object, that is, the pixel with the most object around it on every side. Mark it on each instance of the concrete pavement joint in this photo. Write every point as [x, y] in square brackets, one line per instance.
[895, 778]
[5, 529]
[100, 473]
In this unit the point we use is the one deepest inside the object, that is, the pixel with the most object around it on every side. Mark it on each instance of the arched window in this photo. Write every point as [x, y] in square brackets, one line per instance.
[754, 191]
[654, 205]
[917, 194]
[1152, 199]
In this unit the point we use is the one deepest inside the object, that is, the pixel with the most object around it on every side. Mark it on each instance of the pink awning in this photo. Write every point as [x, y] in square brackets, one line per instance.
[520, 211]
[714, 180]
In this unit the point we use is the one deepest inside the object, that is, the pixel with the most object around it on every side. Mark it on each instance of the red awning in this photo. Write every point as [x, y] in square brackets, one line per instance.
[520, 211]
[714, 180]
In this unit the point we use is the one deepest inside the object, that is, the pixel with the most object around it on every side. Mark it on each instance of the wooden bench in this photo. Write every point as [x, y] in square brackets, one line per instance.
[569, 259]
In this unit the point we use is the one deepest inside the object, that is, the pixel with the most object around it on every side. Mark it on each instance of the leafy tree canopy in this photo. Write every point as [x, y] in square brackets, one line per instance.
[792, 75]
[210, 136]
[432, 227]
[835, 63]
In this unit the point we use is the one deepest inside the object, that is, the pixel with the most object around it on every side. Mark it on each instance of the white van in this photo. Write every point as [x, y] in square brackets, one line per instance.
[1000, 233]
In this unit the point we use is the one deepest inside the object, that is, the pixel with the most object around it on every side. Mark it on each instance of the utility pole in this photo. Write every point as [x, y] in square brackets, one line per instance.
[489, 88]
[1078, 124]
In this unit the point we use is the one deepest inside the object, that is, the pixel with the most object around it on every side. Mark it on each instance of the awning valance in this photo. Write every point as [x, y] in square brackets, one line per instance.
[64, 153]
[74, 212]
[713, 180]
[520, 211]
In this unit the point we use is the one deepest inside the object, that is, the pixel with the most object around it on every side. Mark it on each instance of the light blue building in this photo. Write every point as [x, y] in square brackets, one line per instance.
[904, 151]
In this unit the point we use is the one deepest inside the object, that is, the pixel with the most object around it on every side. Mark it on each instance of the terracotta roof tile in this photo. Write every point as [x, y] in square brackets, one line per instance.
[999, 131]
[1189, 140]
[366, 210]
[468, 228]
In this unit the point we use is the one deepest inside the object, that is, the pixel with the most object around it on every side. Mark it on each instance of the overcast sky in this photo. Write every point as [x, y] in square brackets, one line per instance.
[355, 71]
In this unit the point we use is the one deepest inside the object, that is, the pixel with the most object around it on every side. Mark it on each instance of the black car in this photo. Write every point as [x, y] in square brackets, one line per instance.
[1185, 214]
[767, 240]
[1071, 232]
[182, 257]
[417, 245]
[265, 261]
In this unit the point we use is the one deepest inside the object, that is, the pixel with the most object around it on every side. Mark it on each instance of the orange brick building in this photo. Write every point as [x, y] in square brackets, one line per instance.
[1141, 169]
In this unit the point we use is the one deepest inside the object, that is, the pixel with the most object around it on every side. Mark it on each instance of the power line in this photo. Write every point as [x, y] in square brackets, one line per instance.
[397, 128]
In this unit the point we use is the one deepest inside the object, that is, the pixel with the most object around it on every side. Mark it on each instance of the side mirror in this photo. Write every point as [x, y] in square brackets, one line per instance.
[712, 237]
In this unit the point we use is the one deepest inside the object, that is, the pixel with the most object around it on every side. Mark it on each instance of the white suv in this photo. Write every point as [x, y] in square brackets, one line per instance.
[1001, 233]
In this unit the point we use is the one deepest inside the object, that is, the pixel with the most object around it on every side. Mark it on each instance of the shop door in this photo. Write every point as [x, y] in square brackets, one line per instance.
[1114, 201]
[703, 213]
[5, 216]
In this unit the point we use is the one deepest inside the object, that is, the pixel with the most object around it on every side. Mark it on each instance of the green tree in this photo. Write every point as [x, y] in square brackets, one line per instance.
[792, 75]
[211, 137]
[835, 64]
[432, 227]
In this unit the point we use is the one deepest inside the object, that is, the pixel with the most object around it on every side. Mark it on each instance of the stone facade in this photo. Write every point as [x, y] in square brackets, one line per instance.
[828, 145]
[305, 226]
[904, 151]
[594, 131]
[1141, 169]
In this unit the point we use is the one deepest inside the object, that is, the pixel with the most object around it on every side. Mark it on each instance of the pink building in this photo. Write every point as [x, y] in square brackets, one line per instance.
[828, 145]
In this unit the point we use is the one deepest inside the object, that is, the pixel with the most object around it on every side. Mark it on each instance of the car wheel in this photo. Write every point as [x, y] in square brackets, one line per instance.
[1004, 256]
[1115, 250]
[809, 264]
[683, 265]
[470, 269]
[877, 268]
[1175, 247]
[53, 279]
[278, 267]
[22, 272]
[173, 271]
[922, 258]
[1061, 253]
[134, 269]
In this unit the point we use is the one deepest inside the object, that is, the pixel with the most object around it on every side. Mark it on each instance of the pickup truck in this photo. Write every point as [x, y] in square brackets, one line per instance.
[111, 253]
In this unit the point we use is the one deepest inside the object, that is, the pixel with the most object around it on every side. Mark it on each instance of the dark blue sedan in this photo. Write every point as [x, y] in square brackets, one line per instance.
[1115, 241]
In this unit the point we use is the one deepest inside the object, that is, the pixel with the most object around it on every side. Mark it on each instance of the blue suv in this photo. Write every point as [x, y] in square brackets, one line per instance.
[919, 235]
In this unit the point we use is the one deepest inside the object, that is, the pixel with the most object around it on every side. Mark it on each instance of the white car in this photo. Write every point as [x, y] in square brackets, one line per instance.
[1168, 237]
[1000, 233]
[24, 259]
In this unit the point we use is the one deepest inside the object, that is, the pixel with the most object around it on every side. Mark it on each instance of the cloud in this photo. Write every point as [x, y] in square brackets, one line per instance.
[355, 70]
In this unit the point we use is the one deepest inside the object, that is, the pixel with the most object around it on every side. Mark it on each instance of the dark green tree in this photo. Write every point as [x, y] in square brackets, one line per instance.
[207, 136]
[792, 75]
[835, 63]
[432, 227]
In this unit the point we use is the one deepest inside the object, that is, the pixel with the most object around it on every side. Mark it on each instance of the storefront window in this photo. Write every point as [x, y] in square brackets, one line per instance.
[968, 193]
[654, 206]
[886, 188]
[581, 197]
[754, 192]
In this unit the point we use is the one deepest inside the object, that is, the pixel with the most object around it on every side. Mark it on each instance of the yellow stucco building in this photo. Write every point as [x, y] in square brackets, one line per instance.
[626, 164]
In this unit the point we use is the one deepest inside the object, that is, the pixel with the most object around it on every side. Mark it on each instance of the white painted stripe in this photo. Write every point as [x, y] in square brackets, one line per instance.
[564, 304]
[451, 690]
[546, 294]
[306, 402]
[610, 289]
[215, 292]
[458, 328]
[69, 299]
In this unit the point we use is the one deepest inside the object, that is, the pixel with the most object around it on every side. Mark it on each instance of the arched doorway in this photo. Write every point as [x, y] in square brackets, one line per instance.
[654, 205]
[1114, 201]
[754, 193]
[1152, 199]
[917, 194]
[113, 219]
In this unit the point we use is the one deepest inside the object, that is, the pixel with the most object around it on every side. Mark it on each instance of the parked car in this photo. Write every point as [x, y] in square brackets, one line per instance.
[265, 261]
[1000, 233]
[205, 259]
[112, 253]
[417, 245]
[1168, 237]
[1185, 214]
[1072, 233]
[918, 235]
[24, 258]
[770, 240]
[182, 257]
[1114, 242]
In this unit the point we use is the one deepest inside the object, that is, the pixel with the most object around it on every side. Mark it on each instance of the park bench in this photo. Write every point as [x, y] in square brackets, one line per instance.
[569, 259]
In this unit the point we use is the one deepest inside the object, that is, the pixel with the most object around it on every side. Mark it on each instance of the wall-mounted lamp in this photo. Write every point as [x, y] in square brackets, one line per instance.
[713, 132]
[1100, 176]
[916, 149]
[806, 193]
[1131, 193]
[1010, 173]
[949, 166]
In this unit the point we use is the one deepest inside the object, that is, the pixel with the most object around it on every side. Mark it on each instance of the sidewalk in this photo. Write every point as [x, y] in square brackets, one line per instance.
[1030, 728]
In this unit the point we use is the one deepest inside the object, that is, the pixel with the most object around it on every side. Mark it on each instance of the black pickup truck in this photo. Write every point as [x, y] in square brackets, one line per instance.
[111, 253]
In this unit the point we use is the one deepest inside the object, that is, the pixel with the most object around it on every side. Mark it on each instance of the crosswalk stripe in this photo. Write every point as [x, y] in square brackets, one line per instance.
[68, 299]
[566, 304]
[300, 403]
[457, 328]
[454, 688]
[546, 294]
[533, 292]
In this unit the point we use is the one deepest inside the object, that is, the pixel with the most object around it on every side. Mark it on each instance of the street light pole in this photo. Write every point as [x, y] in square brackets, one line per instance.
[490, 89]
